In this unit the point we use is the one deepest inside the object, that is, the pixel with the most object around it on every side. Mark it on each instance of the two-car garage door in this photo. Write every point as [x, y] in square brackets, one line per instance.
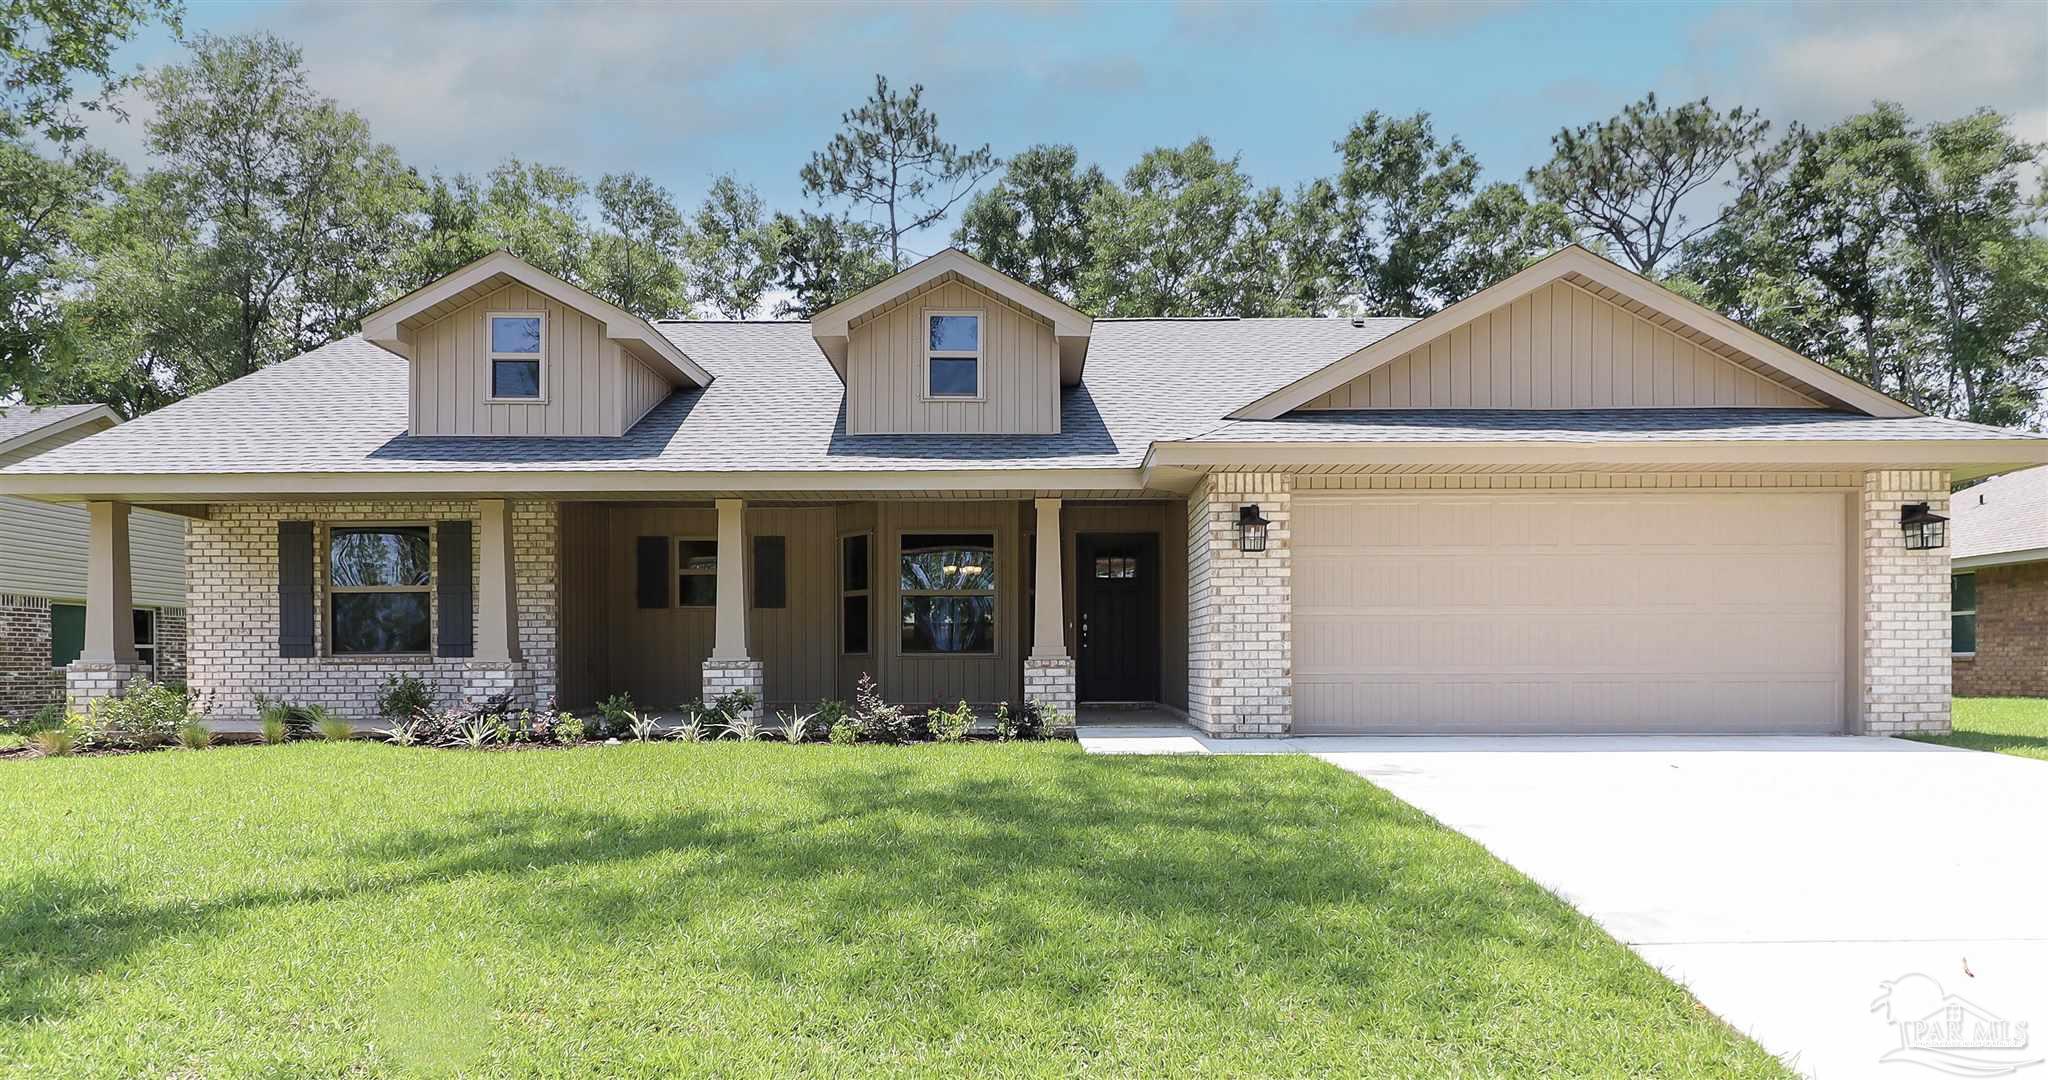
[1584, 612]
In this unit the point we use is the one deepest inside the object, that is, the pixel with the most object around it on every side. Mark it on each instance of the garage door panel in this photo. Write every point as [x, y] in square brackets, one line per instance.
[1665, 612]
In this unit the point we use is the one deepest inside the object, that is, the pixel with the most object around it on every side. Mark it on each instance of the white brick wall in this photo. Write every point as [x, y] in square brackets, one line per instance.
[1240, 610]
[1905, 632]
[722, 677]
[1050, 684]
[231, 571]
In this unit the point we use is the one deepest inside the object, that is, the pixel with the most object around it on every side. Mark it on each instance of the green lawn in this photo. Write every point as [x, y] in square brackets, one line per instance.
[763, 910]
[2008, 725]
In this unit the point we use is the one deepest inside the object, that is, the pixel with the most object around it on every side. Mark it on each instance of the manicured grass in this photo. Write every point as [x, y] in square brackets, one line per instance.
[763, 910]
[2011, 725]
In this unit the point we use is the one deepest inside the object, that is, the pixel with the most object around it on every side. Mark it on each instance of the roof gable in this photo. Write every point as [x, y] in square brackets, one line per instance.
[832, 326]
[1598, 280]
[2002, 520]
[388, 326]
[24, 428]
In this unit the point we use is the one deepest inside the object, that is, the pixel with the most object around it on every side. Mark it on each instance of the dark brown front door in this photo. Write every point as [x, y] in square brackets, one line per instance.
[1118, 596]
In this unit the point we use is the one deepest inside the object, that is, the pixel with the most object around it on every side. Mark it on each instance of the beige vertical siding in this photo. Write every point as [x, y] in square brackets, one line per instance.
[979, 679]
[585, 609]
[1560, 347]
[1020, 370]
[848, 519]
[592, 386]
[795, 643]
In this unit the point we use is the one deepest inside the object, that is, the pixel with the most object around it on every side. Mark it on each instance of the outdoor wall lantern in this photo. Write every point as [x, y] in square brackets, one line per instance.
[1924, 530]
[1251, 528]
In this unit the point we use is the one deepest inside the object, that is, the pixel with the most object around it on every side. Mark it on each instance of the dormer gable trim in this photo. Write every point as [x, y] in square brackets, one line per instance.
[1580, 267]
[634, 334]
[833, 326]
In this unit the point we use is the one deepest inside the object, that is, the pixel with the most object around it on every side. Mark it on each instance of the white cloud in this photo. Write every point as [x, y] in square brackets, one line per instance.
[1432, 18]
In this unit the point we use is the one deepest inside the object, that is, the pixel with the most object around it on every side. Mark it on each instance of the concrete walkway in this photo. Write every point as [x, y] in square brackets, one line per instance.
[1784, 881]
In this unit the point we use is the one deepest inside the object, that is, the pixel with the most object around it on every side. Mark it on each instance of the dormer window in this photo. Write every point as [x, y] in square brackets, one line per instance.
[516, 355]
[953, 355]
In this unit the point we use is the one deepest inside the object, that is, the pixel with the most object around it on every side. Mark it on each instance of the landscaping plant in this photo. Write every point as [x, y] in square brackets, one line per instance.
[568, 729]
[876, 719]
[54, 742]
[404, 696]
[273, 726]
[950, 725]
[195, 735]
[796, 727]
[148, 715]
[614, 717]
[330, 727]
[642, 727]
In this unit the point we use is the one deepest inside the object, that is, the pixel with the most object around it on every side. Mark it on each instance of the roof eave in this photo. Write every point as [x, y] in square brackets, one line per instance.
[96, 414]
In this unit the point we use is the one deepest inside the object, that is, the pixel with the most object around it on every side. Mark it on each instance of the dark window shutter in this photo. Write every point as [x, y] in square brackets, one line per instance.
[294, 588]
[771, 575]
[452, 582]
[650, 561]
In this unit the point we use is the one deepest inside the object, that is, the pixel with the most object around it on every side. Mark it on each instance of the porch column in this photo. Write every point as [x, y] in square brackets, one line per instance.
[1049, 670]
[497, 632]
[495, 668]
[107, 661]
[730, 671]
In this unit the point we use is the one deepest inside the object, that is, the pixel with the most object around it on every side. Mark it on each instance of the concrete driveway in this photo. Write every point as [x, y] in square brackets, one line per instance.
[1784, 881]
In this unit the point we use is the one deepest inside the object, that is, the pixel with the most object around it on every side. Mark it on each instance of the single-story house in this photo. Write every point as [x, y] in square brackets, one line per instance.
[1999, 591]
[1572, 502]
[43, 571]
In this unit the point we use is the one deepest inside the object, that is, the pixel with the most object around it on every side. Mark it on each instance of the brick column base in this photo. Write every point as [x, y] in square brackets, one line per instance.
[722, 677]
[483, 680]
[86, 681]
[1049, 684]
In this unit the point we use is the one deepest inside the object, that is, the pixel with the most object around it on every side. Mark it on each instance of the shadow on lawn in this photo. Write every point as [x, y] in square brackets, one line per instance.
[1278, 867]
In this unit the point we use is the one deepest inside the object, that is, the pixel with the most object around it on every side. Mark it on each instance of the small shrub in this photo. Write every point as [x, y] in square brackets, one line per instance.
[613, 717]
[1048, 720]
[329, 726]
[642, 727]
[796, 727]
[950, 725]
[404, 696]
[693, 729]
[878, 720]
[50, 717]
[404, 732]
[148, 715]
[54, 742]
[1027, 722]
[568, 729]
[744, 727]
[297, 719]
[830, 711]
[273, 728]
[476, 731]
[732, 705]
[845, 733]
[195, 735]
[527, 726]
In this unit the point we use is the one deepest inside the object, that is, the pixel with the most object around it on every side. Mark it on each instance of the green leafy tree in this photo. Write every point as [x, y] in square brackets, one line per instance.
[1628, 183]
[1033, 224]
[48, 46]
[890, 161]
[1419, 230]
[268, 223]
[535, 211]
[636, 262]
[451, 231]
[822, 260]
[1186, 234]
[734, 250]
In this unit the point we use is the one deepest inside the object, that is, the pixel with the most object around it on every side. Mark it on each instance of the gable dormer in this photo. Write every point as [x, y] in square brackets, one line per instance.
[950, 345]
[501, 347]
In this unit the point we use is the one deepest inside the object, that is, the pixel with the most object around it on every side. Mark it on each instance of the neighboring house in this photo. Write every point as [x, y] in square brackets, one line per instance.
[43, 571]
[1999, 598]
[1572, 502]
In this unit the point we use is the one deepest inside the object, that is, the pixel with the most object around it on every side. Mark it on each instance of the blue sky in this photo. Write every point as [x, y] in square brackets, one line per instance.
[685, 93]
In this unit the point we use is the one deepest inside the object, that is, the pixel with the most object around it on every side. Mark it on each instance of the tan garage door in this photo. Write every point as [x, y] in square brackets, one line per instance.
[1595, 612]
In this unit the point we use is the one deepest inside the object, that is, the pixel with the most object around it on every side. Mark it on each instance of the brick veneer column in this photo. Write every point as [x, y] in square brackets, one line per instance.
[1240, 609]
[722, 677]
[1905, 633]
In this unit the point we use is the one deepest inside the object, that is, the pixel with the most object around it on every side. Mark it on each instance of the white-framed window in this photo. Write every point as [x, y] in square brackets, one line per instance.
[696, 572]
[380, 595]
[947, 583]
[516, 340]
[1962, 614]
[145, 638]
[952, 355]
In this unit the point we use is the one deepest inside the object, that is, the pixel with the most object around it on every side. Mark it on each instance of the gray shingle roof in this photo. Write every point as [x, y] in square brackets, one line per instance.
[1592, 426]
[2005, 513]
[19, 420]
[776, 406]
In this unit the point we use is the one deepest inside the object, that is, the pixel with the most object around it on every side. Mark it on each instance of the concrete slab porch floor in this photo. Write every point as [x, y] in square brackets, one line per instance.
[1786, 881]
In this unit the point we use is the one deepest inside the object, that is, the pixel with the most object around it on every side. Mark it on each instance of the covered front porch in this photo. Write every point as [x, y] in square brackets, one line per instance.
[1055, 599]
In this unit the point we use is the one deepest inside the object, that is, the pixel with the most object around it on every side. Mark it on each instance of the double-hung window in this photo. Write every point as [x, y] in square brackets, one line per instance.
[380, 590]
[952, 355]
[697, 573]
[1962, 614]
[948, 585]
[853, 594]
[516, 354]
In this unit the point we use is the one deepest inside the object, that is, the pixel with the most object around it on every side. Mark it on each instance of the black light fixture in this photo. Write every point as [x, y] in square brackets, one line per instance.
[1251, 528]
[1924, 529]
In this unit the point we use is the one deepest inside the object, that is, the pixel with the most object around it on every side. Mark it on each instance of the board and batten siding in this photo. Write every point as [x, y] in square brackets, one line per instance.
[885, 370]
[590, 385]
[43, 548]
[1560, 347]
